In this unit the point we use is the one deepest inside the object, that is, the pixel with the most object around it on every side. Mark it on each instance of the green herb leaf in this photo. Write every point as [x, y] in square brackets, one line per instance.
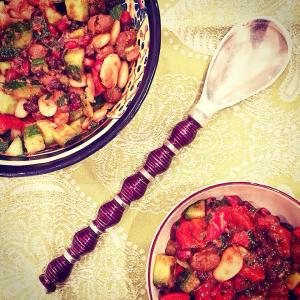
[74, 72]
[8, 53]
[31, 130]
[15, 84]
[116, 12]
[14, 30]
[38, 61]
[62, 100]
[20, 26]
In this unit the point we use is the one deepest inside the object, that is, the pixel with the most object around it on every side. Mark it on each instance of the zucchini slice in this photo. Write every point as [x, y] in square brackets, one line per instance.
[163, 273]
[196, 210]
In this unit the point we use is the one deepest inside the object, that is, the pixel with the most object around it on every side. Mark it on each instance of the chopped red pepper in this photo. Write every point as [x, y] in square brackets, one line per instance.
[190, 233]
[253, 273]
[240, 217]
[205, 289]
[175, 296]
[99, 87]
[240, 283]
[178, 270]
[296, 232]
[234, 200]
[125, 18]
[26, 67]
[71, 45]
[53, 30]
[12, 74]
[63, 24]
[10, 122]
[184, 254]
[217, 224]
[84, 40]
[242, 239]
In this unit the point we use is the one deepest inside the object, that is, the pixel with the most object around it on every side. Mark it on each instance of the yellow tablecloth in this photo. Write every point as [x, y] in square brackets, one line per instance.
[258, 140]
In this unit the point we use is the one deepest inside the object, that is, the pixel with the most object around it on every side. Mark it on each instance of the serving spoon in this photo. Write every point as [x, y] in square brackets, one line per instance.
[250, 58]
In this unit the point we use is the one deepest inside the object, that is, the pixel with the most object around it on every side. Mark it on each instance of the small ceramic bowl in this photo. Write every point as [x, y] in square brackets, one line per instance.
[277, 202]
[146, 20]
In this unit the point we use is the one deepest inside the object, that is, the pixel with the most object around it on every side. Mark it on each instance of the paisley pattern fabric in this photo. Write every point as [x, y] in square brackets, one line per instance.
[257, 140]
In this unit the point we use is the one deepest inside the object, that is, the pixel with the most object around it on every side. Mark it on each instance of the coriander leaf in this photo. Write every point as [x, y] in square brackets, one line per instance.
[15, 84]
[116, 12]
[31, 130]
[74, 72]
[38, 61]
[3, 145]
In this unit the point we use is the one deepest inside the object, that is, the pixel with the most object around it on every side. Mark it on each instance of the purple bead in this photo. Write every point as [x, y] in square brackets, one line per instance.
[184, 132]
[109, 214]
[133, 188]
[58, 270]
[158, 161]
[84, 241]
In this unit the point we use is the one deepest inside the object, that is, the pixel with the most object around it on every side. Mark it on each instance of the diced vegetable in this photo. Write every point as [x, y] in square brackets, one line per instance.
[37, 61]
[190, 282]
[76, 126]
[63, 134]
[33, 139]
[4, 66]
[77, 9]
[253, 273]
[163, 273]
[74, 61]
[7, 104]
[10, 122]
[15, 148]
[46, 127]
[24, 40]
[26, 92]
[15, 84]
[196, 210]
[52, 15]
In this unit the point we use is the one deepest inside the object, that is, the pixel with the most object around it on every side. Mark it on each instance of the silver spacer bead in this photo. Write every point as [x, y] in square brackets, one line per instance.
[95, 228]
[146, 174]
[120, 201]
[69, 257]
[171, 147]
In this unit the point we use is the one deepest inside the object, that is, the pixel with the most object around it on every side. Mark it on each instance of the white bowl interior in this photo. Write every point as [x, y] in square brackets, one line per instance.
[276, 202]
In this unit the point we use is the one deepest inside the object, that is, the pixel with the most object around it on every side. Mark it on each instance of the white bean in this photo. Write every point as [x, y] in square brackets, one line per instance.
[101, 40]
[20, 112]
[47, 107]
[115, 31]
[110, 70]
[123, 74]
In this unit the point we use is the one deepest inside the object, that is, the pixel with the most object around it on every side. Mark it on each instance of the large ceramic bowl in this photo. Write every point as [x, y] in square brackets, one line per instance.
[277, 202]
[146, 19]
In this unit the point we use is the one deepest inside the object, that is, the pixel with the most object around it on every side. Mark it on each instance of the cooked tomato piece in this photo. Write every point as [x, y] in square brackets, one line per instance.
[175, 296]
[253, 273]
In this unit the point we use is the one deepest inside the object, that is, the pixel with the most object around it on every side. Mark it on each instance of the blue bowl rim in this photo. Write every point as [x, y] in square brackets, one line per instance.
[132, 109]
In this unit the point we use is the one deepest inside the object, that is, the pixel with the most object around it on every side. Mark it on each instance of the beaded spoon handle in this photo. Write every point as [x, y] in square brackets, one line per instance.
[240, 68]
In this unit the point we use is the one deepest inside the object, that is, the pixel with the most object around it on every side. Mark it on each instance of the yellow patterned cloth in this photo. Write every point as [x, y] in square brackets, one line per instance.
[257, 140]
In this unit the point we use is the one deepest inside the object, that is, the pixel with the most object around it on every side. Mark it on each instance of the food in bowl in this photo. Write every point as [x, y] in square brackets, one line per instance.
[228, 249]
[64, 65]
